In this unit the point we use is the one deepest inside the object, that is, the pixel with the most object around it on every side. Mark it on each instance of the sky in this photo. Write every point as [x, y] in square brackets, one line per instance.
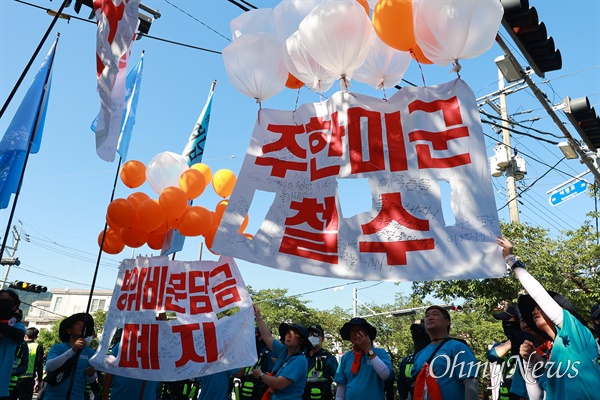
[67, 187]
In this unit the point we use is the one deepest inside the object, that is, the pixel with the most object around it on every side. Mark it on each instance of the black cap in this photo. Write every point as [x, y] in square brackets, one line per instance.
[284, 328]
[595, 314]
[316, 328]
[68, 322]
[527, 304]
[345, 331]
[510, 312]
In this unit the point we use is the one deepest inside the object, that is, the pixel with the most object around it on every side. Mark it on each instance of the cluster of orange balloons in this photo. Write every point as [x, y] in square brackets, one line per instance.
[393, 24]
[139, 219]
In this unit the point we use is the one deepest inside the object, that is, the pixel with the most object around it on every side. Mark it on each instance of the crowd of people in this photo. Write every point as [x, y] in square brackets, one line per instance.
[549, 353]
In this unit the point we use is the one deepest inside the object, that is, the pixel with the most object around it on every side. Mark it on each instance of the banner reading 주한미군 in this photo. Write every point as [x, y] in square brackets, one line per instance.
[210, 327]
[407, 148]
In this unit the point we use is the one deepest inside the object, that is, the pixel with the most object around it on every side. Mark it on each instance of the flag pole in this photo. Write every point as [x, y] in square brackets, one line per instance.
[29, 145]
[112, 197]
[87, 309]
[33, 57]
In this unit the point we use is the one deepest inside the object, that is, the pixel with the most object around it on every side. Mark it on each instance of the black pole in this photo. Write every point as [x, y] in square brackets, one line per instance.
[87, 310]
[33, 57]
[112, 197]
[29, 145]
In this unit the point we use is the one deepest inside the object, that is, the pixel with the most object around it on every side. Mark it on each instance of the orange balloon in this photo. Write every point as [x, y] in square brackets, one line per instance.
[293, 82]
[205, 169]
[173, 222]
[417, 54]
[220, 208]
[365, 5]
[133, 174]
[224, 182]
[164, 228]
[155, 241]
[209, 236]
[393, 24]
[137, 198]
[150, 215]
[173, 201]
[195, 222]
[121, 212]
[244, 224]
[193, 183]
[112, 241]
[111, 224]
[249, 236]
[133, 237]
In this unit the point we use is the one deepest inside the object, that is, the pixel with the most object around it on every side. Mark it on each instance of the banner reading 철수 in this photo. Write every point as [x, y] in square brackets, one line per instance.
[407, 148]
[201, 340]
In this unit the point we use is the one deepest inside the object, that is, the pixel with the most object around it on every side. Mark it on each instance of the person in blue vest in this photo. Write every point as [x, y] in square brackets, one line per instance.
[595, 317]
[75, 333]
[11, 336]
[571, 369]
[216, 386]
[448, 358]
[248, 387]
[363, 371]
[322, 366]
[118, 387]
[288, 378]
[31, 380]
[420, 340]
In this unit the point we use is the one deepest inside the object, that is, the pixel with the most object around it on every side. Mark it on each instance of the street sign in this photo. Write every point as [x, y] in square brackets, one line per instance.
[567, 192]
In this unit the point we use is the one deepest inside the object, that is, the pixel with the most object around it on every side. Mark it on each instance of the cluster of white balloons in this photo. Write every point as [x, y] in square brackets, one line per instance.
[316, 42]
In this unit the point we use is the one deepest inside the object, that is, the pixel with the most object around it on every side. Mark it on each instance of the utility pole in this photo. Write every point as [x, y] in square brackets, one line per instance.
[513, 205]
[11, 260]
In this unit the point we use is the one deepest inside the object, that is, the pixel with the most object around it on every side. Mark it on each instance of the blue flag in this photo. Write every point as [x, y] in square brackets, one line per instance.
[26, 126]
[193, 152]
[133, 83]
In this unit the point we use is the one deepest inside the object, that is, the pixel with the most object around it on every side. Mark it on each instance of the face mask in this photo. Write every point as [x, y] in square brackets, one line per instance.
[6, 308]
[511, 326]
[314, 340]
[88, 340]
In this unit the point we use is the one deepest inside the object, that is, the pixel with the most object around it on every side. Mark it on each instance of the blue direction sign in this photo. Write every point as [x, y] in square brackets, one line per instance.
[568, 192]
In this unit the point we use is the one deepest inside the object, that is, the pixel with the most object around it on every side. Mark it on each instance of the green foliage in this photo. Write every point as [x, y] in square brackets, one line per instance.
[27, 298]
[567, 265]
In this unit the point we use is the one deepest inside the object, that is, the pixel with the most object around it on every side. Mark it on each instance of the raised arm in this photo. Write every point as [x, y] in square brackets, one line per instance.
[531, 285]
[263, 328]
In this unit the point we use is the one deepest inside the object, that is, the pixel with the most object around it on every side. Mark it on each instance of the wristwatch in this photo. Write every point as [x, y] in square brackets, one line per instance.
[371, 353]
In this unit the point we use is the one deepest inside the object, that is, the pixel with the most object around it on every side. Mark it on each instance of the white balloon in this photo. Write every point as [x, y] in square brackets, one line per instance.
[288, 15]
[255, 66]
[450, 30]
[164, 170]
[337, 34]
[384, 66]
[304, 67]
[253, 21]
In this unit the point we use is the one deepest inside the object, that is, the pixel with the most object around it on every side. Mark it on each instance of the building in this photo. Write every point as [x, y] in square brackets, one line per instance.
[43, 314]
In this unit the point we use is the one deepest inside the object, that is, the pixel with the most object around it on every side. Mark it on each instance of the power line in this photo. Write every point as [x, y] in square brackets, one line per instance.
[197, 20]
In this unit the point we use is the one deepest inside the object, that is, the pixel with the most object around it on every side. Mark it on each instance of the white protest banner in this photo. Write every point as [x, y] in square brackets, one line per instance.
[201, 340]
[407, 148]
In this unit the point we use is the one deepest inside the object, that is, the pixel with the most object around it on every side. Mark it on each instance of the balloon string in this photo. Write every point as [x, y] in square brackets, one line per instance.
[320, 91]
[412, 53]
[384, 95]
[259, 108]
[297, 98]
[456, 67]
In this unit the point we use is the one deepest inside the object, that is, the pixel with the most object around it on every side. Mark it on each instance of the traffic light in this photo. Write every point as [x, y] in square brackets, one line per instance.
[145, 20]
[522, 24]
[584, 119]
[28, 287]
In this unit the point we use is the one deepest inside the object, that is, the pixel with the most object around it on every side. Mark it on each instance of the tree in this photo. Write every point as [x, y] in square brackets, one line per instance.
[567, 265]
